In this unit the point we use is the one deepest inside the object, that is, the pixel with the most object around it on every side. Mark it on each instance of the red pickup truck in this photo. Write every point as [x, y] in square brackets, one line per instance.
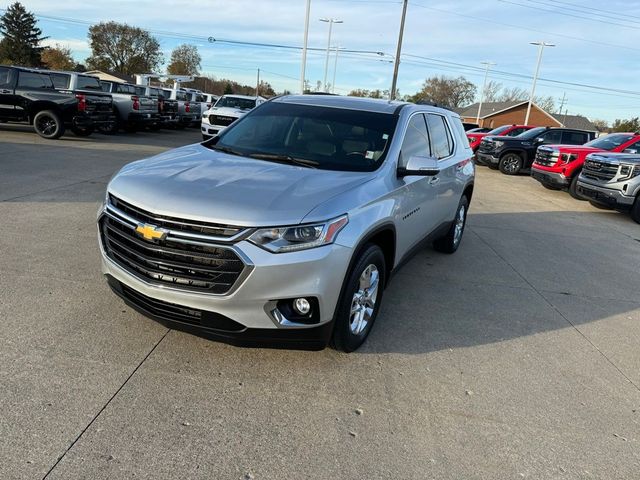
[558, 167]
[504, 130]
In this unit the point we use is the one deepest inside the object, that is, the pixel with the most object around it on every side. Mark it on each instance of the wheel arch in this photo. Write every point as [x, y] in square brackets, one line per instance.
[39, 106]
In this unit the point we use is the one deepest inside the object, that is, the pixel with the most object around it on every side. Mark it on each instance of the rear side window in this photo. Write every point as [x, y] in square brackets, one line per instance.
[441, 141]
[574, 138]
[516, 131]
[553, 136]
[181, 96]
[122, 88]
[200, 98]
[60, 80]
[34, 80]
[416, 140]
[4, 77]
[106, 87]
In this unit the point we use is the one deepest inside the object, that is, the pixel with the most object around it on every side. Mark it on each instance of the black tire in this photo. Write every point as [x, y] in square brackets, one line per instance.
[344, 338]
[550, 186]
[450, 242]
[130, 128]
[110, 128]
[573, 187]
[48, 124]
[635, 210]
[600, 206]
[82, 131]
[510, 164]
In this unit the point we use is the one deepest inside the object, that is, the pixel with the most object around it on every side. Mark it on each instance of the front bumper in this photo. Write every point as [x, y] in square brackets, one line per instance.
[610, 197]
[549, 178]
[486, 159]
[317, 272]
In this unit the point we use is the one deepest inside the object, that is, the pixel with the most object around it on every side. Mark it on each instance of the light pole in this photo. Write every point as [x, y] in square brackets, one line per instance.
[535, 76]
[394, 82]
[335, 69]
[304, 47]
[484, 86]
[330, 21]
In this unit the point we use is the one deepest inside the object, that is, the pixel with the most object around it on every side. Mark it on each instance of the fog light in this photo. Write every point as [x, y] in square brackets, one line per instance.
[302, 306]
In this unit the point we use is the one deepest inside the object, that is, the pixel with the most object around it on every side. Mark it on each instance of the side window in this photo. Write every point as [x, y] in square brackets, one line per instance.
[552, 137]
[574, 138]
[60, 80]
[4, 77]
[416, 140]
[515, 132]
[34, 80]
[441, 142]
[634, 146]
[106, 87]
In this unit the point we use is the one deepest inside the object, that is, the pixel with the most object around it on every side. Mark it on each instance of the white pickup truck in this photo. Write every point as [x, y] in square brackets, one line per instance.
[227, 110]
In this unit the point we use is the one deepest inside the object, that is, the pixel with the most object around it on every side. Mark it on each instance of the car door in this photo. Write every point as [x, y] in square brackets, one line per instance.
[414, 218]
[7, 94]
[446, 185]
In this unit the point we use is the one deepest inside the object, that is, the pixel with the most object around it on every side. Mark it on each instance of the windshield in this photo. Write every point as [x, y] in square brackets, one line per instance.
[533, 133]
[499, 130]
[88, 83]
[234, 102]
[326, 138]
[609, 142]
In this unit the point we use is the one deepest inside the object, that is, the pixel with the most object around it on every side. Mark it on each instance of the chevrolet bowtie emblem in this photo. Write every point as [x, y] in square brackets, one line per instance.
[151, 232]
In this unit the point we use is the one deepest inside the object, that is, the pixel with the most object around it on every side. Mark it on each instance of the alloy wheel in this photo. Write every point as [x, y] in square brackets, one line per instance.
[364, 298]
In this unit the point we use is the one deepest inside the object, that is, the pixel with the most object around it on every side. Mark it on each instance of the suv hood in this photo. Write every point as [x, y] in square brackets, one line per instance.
[232, 112]
[571, 148]
[197, 183]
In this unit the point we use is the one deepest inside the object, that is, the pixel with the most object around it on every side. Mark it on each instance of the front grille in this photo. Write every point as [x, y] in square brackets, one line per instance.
[178, 313]
[546, 158]
[597, 170]
[175, 261]
[221, 120]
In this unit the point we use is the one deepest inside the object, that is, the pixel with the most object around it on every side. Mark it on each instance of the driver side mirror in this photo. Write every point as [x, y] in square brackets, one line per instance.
[420, 165]
[539, 140]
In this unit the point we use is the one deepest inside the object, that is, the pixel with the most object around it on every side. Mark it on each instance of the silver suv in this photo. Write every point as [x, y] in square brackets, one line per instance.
[612, 180]
[287, 226]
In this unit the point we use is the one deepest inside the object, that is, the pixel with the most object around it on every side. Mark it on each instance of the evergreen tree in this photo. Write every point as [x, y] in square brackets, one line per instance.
[20, 44]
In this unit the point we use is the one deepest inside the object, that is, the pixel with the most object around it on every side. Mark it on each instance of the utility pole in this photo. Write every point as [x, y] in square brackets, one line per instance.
[258, 84]
[484, 86]
[394, 82]
[535, 76]
[563, 100]
[304, 47]
[335, 69]
[330, 21]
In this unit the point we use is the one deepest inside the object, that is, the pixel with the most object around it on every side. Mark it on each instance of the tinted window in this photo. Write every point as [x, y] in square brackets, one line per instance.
[634, 146]
[441, 143]
[416, 140]
[60, 80]
[4, 76]
[609, 142]
[140, 91]
[552, 136]
[122, 88]
[106, 87]
[326, 138]
[235, 102]
[499, 130]
[181, 96]
[516, 131]
[88, 83]
[34, 80]
[200, 98]
[574, 138]
[532, 133]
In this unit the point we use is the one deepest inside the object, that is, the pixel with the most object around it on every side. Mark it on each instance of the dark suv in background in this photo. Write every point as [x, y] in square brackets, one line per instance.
[52, 101]
[514, 154]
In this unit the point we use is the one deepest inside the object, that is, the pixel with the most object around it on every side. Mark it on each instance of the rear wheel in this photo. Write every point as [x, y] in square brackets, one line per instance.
[573, 187]
[48, 124]
[360, 301]
[510, 164]
[451, 241]
[635, 210]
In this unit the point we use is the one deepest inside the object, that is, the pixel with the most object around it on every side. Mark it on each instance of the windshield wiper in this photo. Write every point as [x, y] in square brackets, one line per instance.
[228, 150]
[285, 159]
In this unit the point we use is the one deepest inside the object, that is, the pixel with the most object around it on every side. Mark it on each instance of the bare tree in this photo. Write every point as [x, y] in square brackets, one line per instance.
[492, 91]
[446, 91]
[601, 125]
[58, 58]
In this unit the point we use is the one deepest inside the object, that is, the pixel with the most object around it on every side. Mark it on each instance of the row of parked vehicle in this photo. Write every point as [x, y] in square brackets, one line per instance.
[605, 170]
[53, 101]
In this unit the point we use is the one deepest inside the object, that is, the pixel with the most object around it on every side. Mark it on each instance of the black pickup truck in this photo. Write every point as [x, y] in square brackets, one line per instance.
[30, 96]
[514, 154]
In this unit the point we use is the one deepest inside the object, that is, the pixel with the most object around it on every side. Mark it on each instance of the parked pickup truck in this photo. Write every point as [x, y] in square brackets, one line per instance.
[505, 130]
[132, 108]
[227, 110]
[30, 96]
[186, 114]
[514, 154]
[558, 166]
[612, 180]
[167, 108]
[286, 227]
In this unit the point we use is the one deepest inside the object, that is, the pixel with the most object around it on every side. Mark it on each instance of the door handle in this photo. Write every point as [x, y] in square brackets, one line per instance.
[434, 181]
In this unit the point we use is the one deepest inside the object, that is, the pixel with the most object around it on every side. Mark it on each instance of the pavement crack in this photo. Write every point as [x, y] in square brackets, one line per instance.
[105, 405]
[548, 302]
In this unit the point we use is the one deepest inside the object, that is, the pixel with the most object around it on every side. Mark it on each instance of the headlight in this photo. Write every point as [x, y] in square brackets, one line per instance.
[298, 237]
[568, 157]
[629, 171]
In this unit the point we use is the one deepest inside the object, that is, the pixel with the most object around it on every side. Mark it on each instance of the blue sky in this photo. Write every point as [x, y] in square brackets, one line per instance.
[597, 43]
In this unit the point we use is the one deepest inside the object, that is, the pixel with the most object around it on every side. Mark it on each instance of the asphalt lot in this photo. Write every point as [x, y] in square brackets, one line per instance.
[517, 357]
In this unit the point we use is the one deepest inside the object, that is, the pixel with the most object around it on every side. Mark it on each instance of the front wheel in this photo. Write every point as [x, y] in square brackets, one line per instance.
[635, 210]
[510, 164]
[360, 301]
[573, 187]
[451, 240]
[48, 124]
